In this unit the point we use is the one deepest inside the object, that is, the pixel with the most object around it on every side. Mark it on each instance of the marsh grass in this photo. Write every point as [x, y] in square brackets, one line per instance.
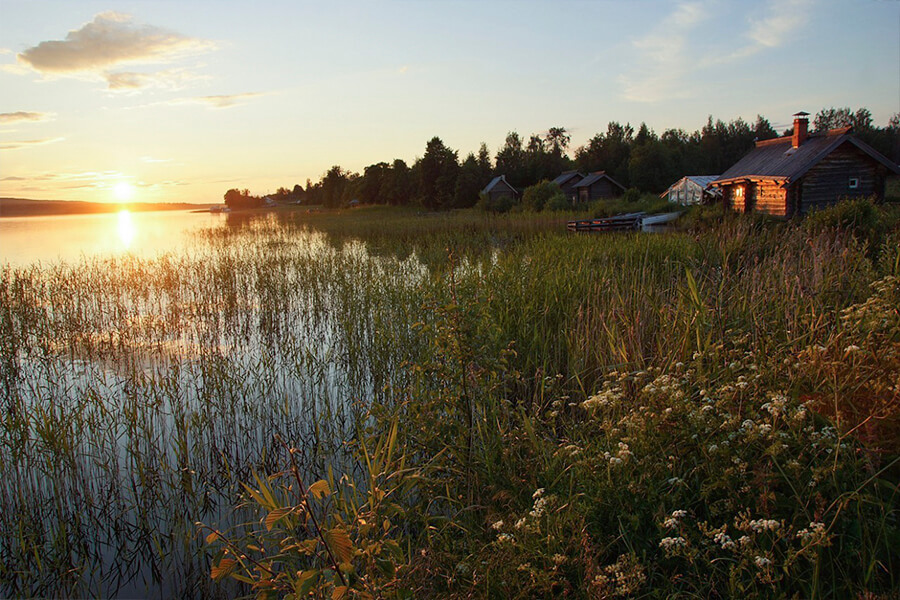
[435, 371]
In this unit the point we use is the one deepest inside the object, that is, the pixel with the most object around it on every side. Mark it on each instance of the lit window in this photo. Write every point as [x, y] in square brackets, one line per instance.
[739, 192]
[854, 183]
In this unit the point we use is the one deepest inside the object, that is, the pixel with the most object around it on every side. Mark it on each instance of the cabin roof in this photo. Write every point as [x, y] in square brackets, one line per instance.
[594, 178]
[563, 178]
[499, 180]
[778, 160]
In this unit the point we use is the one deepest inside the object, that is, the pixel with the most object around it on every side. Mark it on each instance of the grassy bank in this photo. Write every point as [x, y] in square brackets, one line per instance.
[383, 403]
[704, 415]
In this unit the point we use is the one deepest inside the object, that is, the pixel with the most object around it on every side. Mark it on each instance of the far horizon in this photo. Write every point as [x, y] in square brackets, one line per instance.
[175, 103]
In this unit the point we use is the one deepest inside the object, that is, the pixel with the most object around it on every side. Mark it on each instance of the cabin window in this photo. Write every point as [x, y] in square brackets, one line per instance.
[739, 191]
[853, 183]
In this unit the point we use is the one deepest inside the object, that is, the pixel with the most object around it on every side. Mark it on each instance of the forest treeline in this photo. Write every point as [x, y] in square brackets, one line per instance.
[641, 159]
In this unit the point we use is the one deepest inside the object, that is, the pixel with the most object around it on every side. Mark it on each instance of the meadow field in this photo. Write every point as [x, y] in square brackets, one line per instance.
[380, 403]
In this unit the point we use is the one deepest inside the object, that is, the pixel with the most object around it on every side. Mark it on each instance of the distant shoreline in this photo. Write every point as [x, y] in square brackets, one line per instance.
[22, 207]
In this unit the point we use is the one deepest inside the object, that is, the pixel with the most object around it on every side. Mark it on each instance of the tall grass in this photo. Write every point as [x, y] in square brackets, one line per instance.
[434, 371]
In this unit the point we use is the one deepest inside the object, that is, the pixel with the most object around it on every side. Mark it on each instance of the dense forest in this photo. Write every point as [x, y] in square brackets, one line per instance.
[640, 159]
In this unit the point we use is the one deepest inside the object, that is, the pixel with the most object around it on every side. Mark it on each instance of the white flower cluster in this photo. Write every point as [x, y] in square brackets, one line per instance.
[602, 399]
[670, 543]
[675, 520]
[762, 562]
[813, 534]
[762, 525]
[725, 541]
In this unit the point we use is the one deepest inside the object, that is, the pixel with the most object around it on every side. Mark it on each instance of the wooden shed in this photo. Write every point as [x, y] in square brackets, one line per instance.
[692, 189]
[567, 181]
[498, 188]
[598, 185]
[796, 174]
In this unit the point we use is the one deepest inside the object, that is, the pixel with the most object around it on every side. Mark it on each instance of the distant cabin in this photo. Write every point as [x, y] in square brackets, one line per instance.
[802, 172]
[499, 188]
[567, 181]
[597, 186]
[692, 189]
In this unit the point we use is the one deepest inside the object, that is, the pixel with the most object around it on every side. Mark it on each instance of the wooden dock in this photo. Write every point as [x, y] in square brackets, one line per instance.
[627, 222]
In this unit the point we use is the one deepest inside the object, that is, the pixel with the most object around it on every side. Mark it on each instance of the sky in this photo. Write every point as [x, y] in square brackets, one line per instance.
[180, 100]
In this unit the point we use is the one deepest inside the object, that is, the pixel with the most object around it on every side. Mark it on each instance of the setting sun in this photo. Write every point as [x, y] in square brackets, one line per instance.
[123, 191]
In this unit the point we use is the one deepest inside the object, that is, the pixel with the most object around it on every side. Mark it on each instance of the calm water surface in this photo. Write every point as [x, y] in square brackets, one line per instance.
[26, 240]
[136, 395]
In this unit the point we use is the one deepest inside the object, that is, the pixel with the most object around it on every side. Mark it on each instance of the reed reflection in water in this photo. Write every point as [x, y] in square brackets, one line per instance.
[137, 393]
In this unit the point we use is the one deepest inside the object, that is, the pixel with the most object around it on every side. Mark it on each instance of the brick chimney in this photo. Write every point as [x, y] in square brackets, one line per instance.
[801, 129]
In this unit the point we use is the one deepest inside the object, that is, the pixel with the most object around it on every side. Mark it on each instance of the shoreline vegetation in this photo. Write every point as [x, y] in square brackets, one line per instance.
[23, 207]
[384, 403]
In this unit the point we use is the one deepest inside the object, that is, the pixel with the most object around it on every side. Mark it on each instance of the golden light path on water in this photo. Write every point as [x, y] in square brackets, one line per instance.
[126, 228]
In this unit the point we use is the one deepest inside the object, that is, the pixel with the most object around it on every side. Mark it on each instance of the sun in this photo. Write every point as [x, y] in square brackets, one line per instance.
[123, 191]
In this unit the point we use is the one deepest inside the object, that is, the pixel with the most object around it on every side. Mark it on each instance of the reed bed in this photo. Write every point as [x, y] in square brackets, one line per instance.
[433, 371]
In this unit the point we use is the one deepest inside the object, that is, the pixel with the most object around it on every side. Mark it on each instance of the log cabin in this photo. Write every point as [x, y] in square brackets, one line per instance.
[598, 185]
[567, 181]
[498, 188]
[798, 173]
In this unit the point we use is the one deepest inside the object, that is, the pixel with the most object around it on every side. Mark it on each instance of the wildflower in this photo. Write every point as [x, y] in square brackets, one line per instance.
[615, 460]
[520, 523]
[670, 543]
[761, 525]
[712, 448]
[505, 537]
[679, 514]
[538, 493]
[497, 526]
[558, 559]
[762, 562]
[538, 510]
[851, 348]
[724, 540]
[815, 533]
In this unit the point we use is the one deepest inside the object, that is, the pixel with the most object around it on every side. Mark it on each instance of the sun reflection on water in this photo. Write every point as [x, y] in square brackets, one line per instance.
[126, 228]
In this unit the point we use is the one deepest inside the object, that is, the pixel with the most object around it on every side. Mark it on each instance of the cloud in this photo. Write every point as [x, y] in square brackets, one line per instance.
[28, 143]
[784, 17]
[664, 55]
[225, 101]
[131, 81]
[21, 115]
[110, 39]
[672, 53]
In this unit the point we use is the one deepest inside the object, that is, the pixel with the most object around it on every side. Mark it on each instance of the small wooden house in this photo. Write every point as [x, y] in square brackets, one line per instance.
[692, 189]
[499, 188]
[598, 185]
[796, 174]
[567, 181]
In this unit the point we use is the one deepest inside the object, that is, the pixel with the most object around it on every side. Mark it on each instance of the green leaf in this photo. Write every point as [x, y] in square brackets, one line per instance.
[276, 515]
[319, 489]
[306, 580]
[340, 544]
[340, 592]
[223, 569]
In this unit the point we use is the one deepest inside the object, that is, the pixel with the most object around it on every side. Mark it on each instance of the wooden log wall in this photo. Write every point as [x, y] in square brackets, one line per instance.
[769, 198]
[828, 182]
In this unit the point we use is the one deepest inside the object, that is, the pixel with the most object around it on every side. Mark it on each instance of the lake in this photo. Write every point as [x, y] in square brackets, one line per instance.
[157, 367]
[25, 240]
